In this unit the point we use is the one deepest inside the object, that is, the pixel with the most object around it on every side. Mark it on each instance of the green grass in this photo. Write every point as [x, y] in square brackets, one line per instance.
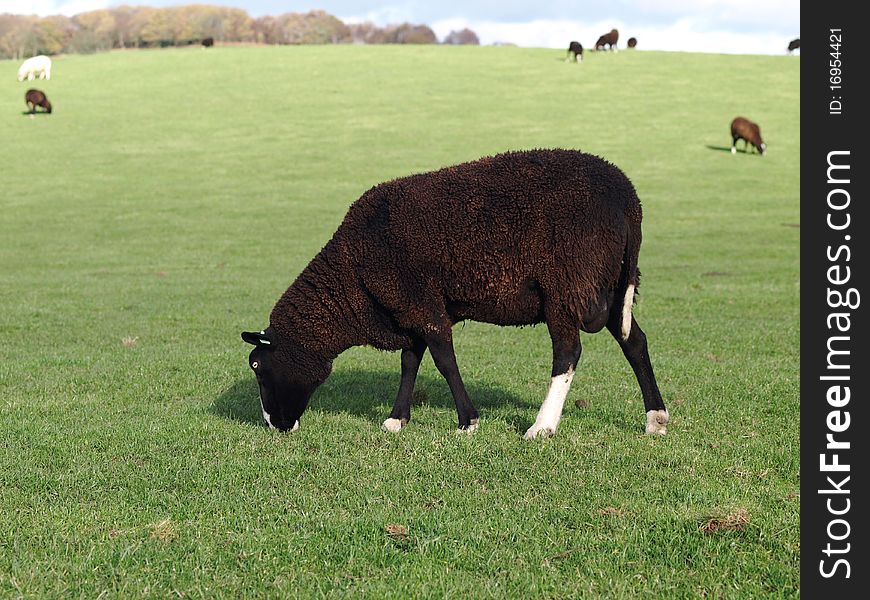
[172, 197]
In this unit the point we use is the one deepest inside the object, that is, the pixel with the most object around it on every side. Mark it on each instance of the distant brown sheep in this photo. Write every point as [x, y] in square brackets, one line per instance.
[632, 42]
[749, 132]
[608, 39]
[34, 98]
[575, 51]
[539, 236]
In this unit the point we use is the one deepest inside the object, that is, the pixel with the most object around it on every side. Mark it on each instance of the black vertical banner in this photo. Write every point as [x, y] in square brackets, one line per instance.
[835, 373]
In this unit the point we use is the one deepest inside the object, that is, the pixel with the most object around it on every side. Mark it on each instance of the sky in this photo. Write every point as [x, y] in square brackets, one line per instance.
[726, 26]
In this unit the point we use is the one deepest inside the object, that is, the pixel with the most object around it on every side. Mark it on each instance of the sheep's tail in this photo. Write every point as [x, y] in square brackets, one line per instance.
[629, 277]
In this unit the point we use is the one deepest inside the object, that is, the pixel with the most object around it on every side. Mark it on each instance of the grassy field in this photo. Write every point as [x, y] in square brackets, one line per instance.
[172, 197]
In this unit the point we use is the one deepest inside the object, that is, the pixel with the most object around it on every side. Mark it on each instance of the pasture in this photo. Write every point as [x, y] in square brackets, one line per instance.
[173, 195]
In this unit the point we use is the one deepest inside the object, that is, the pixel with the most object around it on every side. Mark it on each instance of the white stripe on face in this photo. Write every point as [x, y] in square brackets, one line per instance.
[626, 311]
[551, 410]
[266, 417]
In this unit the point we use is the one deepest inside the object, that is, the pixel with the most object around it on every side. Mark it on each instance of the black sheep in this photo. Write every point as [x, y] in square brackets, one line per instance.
[208, 42]
[749, 132]
[34, 98]
[575, 52]
[608, 39]
[632, 42]
[516, 239]
[794, 45]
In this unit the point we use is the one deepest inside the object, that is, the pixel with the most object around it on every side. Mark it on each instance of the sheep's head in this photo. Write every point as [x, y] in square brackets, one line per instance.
[286, 376]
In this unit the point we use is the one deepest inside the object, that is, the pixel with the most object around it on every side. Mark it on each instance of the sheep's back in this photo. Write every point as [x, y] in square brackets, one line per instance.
[481, 232]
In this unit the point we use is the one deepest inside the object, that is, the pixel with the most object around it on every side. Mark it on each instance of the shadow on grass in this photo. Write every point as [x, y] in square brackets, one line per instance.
[369, 394]
[728, 149]
[723, 148]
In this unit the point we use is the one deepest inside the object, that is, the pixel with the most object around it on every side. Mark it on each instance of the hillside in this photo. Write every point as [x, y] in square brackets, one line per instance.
[174, 194]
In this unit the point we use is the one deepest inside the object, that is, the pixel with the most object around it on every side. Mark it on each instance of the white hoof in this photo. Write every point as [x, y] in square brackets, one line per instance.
[539, 431]
[657, 421]
[733, 150]
[393, 425]
[475, 423]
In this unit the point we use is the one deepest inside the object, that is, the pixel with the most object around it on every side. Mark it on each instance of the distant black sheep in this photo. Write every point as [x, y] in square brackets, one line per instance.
[516, 239]
[794, 45]
[208, 42]
[632, 42]
[34, 98]
[608, 39]
[749, 132]
[575, 52]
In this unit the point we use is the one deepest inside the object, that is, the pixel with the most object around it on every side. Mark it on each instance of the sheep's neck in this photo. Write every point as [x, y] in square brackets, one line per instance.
[321, 309]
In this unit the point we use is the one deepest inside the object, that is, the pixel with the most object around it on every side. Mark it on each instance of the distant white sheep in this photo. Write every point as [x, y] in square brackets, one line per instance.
[37, 66]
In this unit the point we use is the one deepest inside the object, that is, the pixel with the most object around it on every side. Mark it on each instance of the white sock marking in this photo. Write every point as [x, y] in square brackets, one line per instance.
[657, 421]
[393, 425]
[626, 311]
[551, 409]
[733, 150]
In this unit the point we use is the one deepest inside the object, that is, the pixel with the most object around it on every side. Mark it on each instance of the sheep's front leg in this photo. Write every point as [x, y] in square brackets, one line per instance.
[401, 414]
[440, 345]
[566, 355]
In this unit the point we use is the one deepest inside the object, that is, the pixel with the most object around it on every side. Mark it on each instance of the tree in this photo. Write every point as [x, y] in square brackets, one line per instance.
[95, 31]
[462, 37]
[265, 30]
[53, 34]
[313, 27]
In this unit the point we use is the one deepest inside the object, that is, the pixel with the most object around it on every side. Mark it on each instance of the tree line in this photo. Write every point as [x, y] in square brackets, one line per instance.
[22, 36]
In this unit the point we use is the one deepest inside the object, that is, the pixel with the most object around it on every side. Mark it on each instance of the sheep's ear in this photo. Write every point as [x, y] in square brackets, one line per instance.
[260, 338]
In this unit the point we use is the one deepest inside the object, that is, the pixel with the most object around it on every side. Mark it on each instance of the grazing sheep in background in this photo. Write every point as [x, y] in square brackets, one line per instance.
[749, 132]
[208, 42]
[37, 65]
[575, 51]
[34, 98]
[632, 42]
[608, 39]
[540, 236]
[794, 45]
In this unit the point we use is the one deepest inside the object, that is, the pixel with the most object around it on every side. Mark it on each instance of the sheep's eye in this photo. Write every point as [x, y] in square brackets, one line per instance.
[255, 364]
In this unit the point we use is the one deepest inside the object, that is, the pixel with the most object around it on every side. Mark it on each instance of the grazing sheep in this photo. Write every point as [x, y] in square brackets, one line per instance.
[208, 42]
[34, 98]
[608, 39]
[794, 45]
[632, 42]
[37, 65]
[541, 236]
[575, 52]
[749, 132]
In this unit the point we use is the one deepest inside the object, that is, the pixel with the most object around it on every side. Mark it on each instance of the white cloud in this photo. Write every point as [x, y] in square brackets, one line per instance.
[383, 15]
[779, 14]
[51, 7]
[683, 35]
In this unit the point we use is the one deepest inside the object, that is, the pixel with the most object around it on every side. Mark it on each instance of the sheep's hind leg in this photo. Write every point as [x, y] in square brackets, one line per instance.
[441, 347]
[634, 347]
[401, 414]
[566, 355]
